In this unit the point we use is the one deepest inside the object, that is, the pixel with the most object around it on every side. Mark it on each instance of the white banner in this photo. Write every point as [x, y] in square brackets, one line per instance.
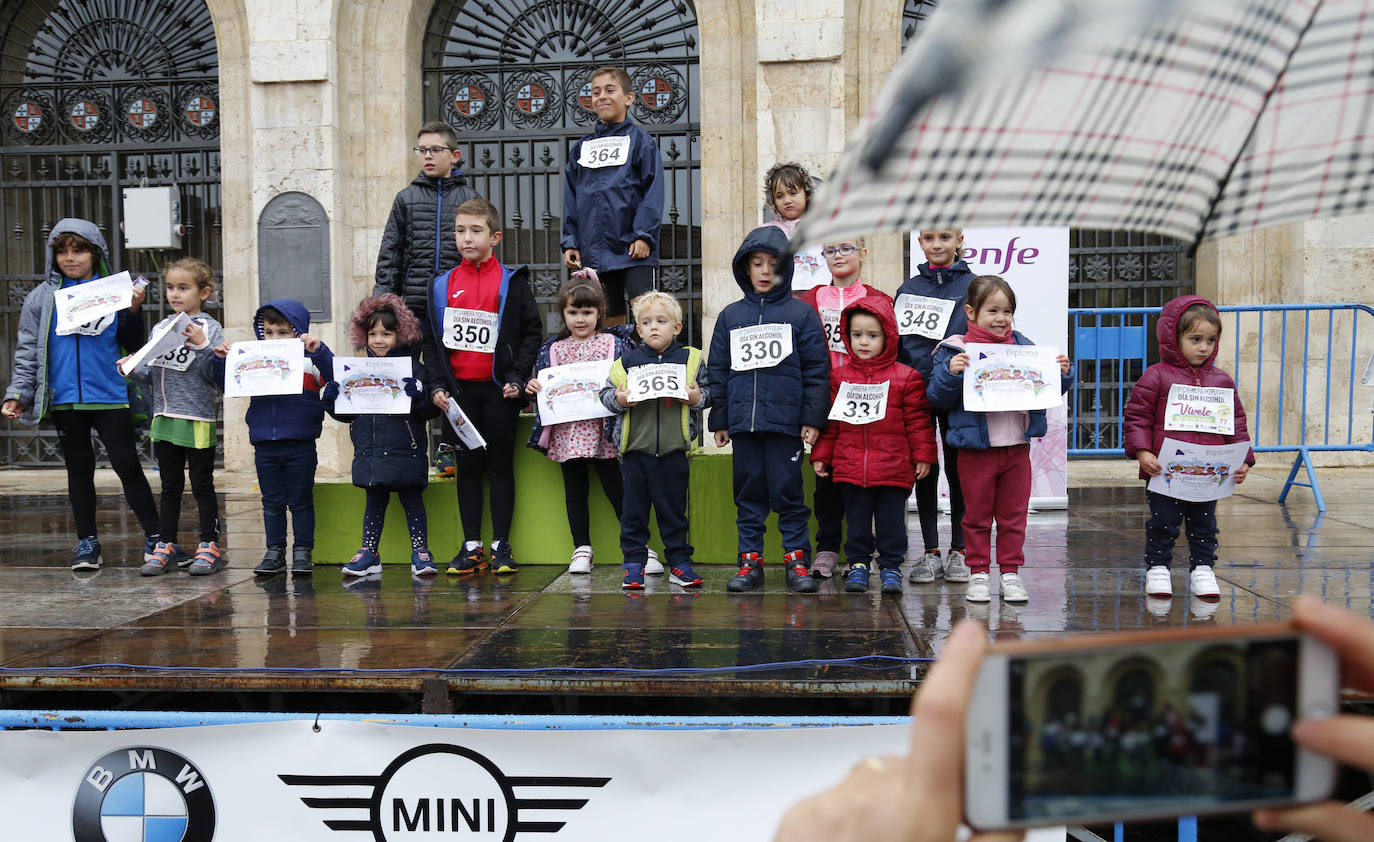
[264, 367]
[372, 385]
[570, 392]
[1198, 472]
[83, 305]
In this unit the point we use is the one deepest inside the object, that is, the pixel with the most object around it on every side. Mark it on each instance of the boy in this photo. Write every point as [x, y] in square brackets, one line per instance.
[613, 197]
[484, 333]
[930, 307]
[653, 438]
[769, 375]
[283, 430]
[845, 260]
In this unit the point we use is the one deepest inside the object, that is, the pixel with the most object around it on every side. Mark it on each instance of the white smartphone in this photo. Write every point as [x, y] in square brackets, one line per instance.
[1116, 727]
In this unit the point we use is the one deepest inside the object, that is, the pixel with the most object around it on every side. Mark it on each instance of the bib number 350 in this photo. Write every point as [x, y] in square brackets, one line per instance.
[469, 330]
[759, 346]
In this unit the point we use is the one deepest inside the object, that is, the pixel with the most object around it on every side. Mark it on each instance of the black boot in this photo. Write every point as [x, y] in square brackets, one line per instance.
[300, 562]
[273, 562]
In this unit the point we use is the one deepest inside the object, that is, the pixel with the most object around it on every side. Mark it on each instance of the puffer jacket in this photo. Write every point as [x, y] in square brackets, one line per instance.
[886, 451]
[949, 283]
[417, 242]
[786, 396]
[1144, 416]
[605, 209]
[969, 430]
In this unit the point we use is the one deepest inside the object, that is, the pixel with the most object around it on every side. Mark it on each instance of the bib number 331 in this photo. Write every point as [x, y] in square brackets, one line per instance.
[469, 330]
[759, 346]
[860, 403]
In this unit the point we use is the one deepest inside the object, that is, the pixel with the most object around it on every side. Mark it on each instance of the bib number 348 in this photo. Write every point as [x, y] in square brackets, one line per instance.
[759, 346]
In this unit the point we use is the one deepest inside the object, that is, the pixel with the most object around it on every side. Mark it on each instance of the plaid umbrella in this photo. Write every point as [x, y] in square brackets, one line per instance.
[1213, 119]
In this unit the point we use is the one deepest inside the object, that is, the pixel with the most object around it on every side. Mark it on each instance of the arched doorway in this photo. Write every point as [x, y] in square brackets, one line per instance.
[510, 76]
[96, 97]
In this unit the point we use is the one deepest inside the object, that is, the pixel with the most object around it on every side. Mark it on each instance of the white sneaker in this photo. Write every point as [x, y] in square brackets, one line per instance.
[1157, 582]
[581, 560]
[1202, 609]
[653, 567]
[977, 590]
[956, 568]
[1013, 590]
[1159, 606]
[1203, 582]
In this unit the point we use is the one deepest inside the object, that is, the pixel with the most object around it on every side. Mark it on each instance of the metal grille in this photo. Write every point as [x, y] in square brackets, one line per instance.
[511, 77]
[97, 97]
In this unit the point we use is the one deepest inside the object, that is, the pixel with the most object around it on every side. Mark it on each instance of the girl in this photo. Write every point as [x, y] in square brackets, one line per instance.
[389, 451]
[183, 430]
[994, 454]
[787, 190]
[72, 380]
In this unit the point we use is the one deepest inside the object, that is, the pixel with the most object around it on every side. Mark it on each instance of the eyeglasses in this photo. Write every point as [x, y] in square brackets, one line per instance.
[843, 251]
[426, 151]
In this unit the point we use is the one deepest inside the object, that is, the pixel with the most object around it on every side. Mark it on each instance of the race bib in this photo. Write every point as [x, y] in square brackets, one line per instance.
[1201, 409]
[94, 328]
[659, 380]
[860, 403]
[921, 315]
[469, 330]
[178, 359]
[604, 152]
[834, 334]
[759, 346]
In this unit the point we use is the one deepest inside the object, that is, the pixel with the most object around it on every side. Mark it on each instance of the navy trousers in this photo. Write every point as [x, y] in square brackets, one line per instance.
[286, 475]
[1161, 530]
[877, 520]
[767, 469]
[660, 483]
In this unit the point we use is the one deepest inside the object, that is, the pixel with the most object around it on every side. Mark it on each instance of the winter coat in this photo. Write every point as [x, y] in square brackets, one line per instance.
[786, 396]
[418, 242]
[190, 394]
[663, 425]
[539, 433]
[886, 451]
[969, 430]
[85, 362]
[518, 337]
[605, 209]
[811, 297]
[1144, 416]
[949, 283]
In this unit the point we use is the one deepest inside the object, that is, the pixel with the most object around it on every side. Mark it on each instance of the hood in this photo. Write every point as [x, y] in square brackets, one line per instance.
[1166, 330]
[85, 230]
[772, 240]
[454, 178]
[407, 326]
[942, 275]
[294, 311]
[874, 305]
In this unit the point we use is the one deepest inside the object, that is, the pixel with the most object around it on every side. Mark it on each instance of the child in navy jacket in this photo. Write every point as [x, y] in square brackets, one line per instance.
[769, 372]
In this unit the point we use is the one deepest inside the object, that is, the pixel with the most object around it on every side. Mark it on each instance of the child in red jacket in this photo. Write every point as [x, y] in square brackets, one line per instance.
[878, 443]
[1188, 331]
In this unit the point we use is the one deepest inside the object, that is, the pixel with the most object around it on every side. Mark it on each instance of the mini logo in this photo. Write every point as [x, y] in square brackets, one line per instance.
[438, 791]
[142, 113]
[28, 117]
[143, 794]
[656, 93]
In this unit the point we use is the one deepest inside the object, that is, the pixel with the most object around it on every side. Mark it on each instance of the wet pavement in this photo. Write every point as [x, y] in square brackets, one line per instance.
[544, 631]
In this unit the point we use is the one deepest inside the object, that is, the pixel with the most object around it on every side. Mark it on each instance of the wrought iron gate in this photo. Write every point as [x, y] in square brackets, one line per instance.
[512, 76]
[96, 97]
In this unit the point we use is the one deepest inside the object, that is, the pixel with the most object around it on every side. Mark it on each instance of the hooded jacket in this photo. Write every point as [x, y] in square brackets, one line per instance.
[1144, 415]
[417, 242]
[663, 425]
[189, 394]
[949, 283]
[518, 335]
[605, 209]
[786, 396]
[84, 364]
[886, 451]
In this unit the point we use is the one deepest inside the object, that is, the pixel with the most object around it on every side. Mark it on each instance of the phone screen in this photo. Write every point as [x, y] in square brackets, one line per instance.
[1174, 727]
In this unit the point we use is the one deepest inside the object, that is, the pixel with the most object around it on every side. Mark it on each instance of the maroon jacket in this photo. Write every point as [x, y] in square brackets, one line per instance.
[1145, 410]
[886, 451]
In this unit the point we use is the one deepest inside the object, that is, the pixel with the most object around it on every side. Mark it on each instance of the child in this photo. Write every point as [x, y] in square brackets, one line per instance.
[787, 191]
[944, 276]
[72, 380]
[613, 197]
[283, 430]
[874, 459]
[1189, 332]
[769, 371]
[845, 260]
[653, 438]
[488, 349]
[183, 429]
[389, 451]
[994, 454]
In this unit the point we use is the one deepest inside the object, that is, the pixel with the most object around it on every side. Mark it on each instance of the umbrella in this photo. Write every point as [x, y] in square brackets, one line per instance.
[1208, 120]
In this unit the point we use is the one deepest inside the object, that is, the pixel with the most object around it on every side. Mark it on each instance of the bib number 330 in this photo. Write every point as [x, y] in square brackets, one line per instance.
[759, 346]
[469, 330]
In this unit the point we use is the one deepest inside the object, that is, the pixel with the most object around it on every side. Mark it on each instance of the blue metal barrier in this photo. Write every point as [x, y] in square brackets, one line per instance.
[1116, 341]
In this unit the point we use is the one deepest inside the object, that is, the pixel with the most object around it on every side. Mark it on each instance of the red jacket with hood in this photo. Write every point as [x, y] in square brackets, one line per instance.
[1150, 396]
[886, 451]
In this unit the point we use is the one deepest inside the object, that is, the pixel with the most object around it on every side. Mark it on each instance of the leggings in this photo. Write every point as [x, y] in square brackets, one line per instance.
[374, 516]
[116, 430]
[576, 490]
[928, 497]
[495, 418]
[172, 463]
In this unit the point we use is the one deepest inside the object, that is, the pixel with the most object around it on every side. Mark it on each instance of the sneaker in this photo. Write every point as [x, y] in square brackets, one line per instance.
[150, 548]
[502, 561]
[208, 559]
[1203, 582]
[927, 568]
[977, 590]
[823, 565]
[1159, 606]
[469, 560]
[683, 574]
[582, 558]
[749, 576]
[273, 562]
[86, 554]
[956, 568]
[652, 567]
[445, 464]
[364, 562]
[856, 580]
[798, 574]
[634, 577]
[301, 563]
[162, 558]
[1202, 609]
[1157, 582]
[892, 579]
[422, 563]
[1012, 588]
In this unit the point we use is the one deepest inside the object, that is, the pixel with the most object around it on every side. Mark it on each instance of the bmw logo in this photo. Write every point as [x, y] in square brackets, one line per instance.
[143, 794]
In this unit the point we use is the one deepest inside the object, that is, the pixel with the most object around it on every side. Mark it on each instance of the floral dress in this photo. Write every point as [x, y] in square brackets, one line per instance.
[581, 439]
